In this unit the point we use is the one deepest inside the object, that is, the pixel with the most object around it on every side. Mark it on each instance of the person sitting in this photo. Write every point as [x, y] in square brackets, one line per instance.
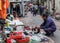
[48, 25]
[15, 16]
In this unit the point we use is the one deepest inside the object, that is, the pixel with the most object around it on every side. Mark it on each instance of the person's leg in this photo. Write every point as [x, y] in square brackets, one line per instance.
[36, 11]
[33, 13]
[49, 32]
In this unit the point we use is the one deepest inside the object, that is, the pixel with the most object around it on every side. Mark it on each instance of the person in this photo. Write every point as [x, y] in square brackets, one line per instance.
[15, 16]
[46, 10]
[41, 9]
[48, 25]
[18, 9]
[26, 9]
[31, 8]
[35, 9]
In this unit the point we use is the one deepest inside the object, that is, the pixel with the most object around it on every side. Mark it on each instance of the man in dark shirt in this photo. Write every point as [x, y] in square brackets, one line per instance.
[48, 25]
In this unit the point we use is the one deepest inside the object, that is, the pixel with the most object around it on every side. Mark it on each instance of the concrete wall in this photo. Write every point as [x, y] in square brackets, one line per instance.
[17, 0]
[57, 5]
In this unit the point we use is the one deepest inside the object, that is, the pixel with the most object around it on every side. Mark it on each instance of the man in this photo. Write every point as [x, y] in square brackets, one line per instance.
[31, 8]
[18, 10]
[41, 9]
[48, 25]
[35, 9]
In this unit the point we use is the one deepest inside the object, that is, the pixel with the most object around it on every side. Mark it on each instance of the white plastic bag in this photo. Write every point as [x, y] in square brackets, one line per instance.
[17, 22]
[34, 39]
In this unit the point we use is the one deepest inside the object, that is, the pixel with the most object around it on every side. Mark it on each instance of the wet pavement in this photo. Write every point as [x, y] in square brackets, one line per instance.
[31, 20]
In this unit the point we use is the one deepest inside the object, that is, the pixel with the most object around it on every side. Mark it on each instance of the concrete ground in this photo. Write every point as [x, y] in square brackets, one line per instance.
[37, 20]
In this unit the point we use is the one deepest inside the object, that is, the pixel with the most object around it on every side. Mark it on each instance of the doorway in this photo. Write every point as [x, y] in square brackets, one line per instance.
[15, 7]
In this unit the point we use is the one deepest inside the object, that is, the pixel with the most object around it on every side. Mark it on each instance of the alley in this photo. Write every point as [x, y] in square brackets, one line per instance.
[37, 20]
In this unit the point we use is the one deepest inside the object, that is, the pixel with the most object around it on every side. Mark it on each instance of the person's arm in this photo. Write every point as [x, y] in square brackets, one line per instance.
[46, 25]
[41, 26]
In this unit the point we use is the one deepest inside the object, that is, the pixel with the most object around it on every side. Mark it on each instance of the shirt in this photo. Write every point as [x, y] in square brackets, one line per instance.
[48, 24]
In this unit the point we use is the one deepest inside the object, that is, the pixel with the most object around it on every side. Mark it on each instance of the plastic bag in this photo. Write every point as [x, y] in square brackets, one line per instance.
[34, 39]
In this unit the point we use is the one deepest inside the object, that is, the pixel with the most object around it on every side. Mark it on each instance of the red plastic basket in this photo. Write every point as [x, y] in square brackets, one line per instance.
[16, 35]
[25, 40]
[8, 40]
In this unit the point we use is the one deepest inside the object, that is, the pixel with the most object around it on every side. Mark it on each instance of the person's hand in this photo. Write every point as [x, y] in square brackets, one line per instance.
[42, 31]
[38, 27]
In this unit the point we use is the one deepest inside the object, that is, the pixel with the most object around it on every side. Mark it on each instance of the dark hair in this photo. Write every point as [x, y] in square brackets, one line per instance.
[44, 15]
[14, 13]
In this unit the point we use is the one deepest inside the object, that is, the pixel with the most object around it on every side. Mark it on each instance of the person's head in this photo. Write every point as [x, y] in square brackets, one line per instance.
[44, 16]
[14, 14]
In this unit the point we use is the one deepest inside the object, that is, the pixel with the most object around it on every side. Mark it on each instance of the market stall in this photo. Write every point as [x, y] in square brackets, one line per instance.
[25, 34]
[28, 36]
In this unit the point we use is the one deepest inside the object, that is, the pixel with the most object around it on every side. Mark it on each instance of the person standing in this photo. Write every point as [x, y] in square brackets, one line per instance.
[18, 9]
[31, 8]
[41, 9]
[35, 9]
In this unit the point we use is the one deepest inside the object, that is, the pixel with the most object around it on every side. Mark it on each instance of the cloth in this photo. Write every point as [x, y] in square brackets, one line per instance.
[0, 4]
[34, 39]
[48, 24]
[3, 7]
[16, 23]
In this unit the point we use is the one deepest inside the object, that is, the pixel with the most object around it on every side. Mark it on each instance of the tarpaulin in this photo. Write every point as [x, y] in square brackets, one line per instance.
[3, 8]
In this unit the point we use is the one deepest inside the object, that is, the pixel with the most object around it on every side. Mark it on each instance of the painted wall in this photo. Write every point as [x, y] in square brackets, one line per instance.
[18, 0]
[57, 5]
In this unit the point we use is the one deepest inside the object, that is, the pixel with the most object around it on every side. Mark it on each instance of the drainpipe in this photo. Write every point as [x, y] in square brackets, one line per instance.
[48, 6]
[23, 7]
[53, 7]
